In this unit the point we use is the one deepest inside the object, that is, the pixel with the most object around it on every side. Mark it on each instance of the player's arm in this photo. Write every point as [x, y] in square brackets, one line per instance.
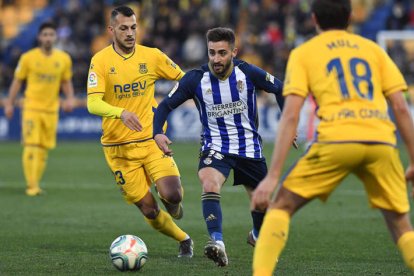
[166, 68]
[20, 74]
[183, 91]
[97, 106]
[67, 89]
[266, 82]
[14, 89]
[405, 125]
[285, 134]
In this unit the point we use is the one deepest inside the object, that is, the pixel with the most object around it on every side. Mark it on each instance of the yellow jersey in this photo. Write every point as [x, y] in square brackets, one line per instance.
[43, 75]
[129, 83]
[349, 77]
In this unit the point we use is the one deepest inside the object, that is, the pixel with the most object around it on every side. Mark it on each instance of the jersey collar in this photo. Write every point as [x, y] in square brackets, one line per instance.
[125, 58]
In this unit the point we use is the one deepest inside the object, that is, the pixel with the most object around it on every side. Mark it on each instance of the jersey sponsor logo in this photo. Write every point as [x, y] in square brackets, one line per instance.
[226, 110]
[173, 90]
[129, 90]
[270, 78]
[46, 77]
[92, 80]
[143, 68]
[363, 113]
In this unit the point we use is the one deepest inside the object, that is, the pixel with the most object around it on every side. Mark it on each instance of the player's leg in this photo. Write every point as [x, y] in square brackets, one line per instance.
[275, 230]
[126, 164]
[323, 167]
[35, 150]
[170, 193]
[402, 233]
[249, 173]
[387, 190]
[213, 171]
[163, 170]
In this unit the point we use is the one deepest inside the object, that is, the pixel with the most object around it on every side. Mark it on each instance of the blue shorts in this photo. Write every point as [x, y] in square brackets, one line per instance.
[247, 171]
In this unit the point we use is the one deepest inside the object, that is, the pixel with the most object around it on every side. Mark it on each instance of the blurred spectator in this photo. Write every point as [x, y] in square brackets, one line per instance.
[266, 29]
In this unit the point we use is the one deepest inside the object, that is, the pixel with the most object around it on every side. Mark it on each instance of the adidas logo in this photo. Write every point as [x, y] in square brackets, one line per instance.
[211, 217]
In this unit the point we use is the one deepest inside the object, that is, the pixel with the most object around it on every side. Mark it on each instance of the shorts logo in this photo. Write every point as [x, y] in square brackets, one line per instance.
[143, 68]
[92, 80]
[218, 156]
[207, 161]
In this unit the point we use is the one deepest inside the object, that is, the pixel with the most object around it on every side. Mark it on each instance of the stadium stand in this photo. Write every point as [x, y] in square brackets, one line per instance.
[267, 29]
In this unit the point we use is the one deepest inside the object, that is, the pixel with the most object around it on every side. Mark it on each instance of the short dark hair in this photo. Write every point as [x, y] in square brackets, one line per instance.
[46, 25]
[332, 14]
[124, 10]
[221, 34]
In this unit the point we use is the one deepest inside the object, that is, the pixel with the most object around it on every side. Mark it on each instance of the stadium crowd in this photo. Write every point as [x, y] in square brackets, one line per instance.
[267, 30]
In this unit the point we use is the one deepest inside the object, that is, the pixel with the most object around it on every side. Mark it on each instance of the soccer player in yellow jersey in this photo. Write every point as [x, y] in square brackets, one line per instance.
[121, 90]
[351, 79]
[46, 70]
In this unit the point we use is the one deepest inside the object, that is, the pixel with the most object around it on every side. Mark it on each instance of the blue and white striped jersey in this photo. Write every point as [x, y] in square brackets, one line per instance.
[227, 108]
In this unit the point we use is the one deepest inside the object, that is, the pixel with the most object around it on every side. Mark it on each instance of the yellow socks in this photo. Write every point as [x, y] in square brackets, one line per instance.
[406, 245]
[272, 240]
[164, 224]
[34, 163]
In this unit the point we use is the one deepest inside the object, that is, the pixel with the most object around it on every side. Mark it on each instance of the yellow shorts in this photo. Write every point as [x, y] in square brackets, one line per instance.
[136, 165]
[39, 128]
[379, 167]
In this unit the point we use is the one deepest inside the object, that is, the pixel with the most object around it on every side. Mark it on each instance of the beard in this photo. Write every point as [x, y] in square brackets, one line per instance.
[126, 46]
[221, 69]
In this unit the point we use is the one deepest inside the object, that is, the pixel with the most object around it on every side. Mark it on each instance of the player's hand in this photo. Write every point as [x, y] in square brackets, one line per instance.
[262, 194]
[8, 109]
[163, 142]
[130, 120]
[409, 176]
[69, 104]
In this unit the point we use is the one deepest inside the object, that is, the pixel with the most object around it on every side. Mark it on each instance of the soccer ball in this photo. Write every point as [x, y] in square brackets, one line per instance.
[128, 252]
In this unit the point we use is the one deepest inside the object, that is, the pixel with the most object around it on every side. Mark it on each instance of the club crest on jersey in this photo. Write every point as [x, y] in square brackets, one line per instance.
[112, 70]
[240, 86]
[207, 161]
[209, 91]
[143, 68]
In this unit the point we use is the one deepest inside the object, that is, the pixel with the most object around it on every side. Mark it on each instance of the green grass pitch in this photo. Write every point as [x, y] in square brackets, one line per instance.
[68, 231]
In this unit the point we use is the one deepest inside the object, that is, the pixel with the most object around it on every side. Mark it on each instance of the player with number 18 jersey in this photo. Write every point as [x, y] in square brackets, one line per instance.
[350, 90]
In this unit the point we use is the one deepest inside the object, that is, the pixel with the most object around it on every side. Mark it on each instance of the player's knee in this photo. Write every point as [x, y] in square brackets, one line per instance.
[174, 198]
[150, 212]
[210, 186]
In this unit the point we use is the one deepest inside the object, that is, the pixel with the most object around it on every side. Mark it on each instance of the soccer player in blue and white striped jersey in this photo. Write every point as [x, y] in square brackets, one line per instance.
[224, 91]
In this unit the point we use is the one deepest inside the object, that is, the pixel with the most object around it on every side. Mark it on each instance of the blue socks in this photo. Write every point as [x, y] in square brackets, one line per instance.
[257, 222]
[212, 215]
